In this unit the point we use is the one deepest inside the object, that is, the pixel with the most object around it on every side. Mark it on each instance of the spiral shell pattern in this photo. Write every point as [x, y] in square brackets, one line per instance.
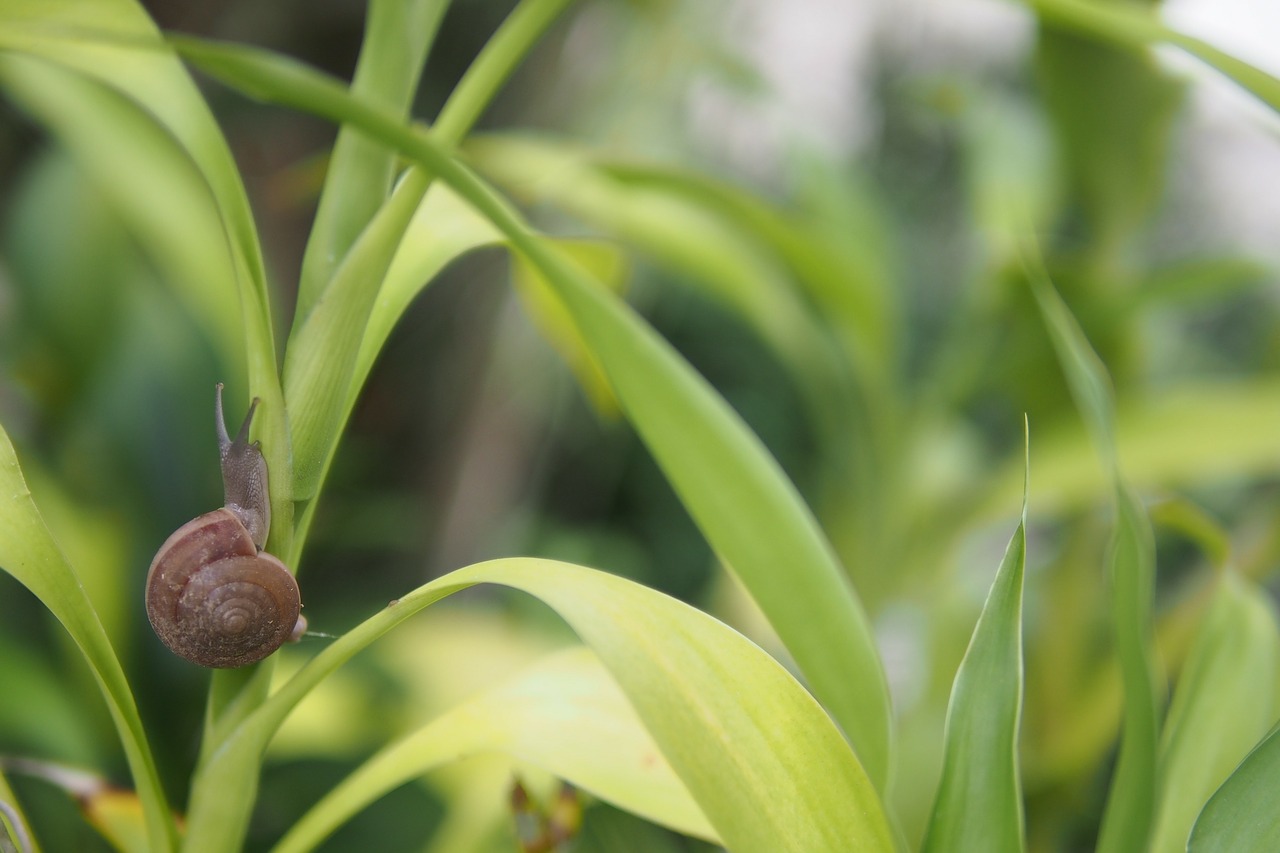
[216, 600]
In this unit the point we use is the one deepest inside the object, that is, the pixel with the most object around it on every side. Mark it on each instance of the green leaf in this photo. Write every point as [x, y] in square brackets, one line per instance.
[760, 757]
[29, 554]
[1139, 26]
[128, 101]
[442, 229]
[1224, 702]
[979, 802]
[322, 351]
[729, 265]
[733, 488]
[1126, 822]
[13, 823]
[1242, 817]
[606, 264]
[1113, 109]
[320, 359]
[564, 715]
[1160, 436]
[397, 36]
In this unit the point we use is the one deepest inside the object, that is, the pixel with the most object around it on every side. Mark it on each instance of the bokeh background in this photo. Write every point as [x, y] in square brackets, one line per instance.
[892, 132]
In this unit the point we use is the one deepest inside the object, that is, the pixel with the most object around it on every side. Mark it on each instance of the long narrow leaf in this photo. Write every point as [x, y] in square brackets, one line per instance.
[397, 36]
[759, 756]
[733, 488]
[323, 345]
[564, 715]
[29, 554]
[1127, 820]
[979, 803]
[115, 44]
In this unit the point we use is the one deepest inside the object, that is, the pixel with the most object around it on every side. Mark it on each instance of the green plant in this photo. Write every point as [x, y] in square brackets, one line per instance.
[665, 711]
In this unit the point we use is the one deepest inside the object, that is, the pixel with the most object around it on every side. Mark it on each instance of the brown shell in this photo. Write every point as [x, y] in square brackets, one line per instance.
[216, 600]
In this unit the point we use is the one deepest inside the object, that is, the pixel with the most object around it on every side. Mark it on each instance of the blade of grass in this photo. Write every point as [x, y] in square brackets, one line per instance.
[29, 554]
[760, 757]
[1127, 819]
[735, 491]
[979, 802]
[397, 36]
[1224, 702]
[565, 715]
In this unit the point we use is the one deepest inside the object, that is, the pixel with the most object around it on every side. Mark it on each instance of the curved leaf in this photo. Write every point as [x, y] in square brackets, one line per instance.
[564, 715]
[156, 119]
[733, 488]
[29, 554]
[760, 757]
[1242, 817]
[1127, 819]
[397, 36]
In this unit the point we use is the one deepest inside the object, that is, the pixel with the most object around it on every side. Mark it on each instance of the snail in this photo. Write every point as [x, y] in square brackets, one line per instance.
[213, 595]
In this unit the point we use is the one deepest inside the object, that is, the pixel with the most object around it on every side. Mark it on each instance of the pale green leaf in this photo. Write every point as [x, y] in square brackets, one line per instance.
[1160, 436]
[729, 265]
[565, 715]
[733, 488]
[397, 36]
[1224, 702]
[1242, 817]
[320, 360]
[130, 101]
[979, 802]
[606, 264]
[760, 757]
[1126, 821]
[29, 554]
[1139, 26]
[322, 351]
[441, 230]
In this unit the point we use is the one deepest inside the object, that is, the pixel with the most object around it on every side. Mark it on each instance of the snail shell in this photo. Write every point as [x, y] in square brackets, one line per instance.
[216, 600]
[213, 595]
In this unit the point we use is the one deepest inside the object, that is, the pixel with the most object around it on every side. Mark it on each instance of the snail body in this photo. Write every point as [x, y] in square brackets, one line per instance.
[213, 595]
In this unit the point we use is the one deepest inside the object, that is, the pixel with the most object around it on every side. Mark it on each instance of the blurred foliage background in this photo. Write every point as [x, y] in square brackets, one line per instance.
[890, 144]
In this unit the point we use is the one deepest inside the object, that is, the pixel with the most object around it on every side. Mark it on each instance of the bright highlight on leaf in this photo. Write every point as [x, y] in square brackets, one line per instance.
[735, 491]
[564, 715]
[29, 554]
[759, 756]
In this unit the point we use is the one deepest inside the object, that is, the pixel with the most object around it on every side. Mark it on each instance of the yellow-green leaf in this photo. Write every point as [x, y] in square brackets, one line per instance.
[565, 715]
[760, 757]
[1224, 702]
[29, 554]
[979, 802]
